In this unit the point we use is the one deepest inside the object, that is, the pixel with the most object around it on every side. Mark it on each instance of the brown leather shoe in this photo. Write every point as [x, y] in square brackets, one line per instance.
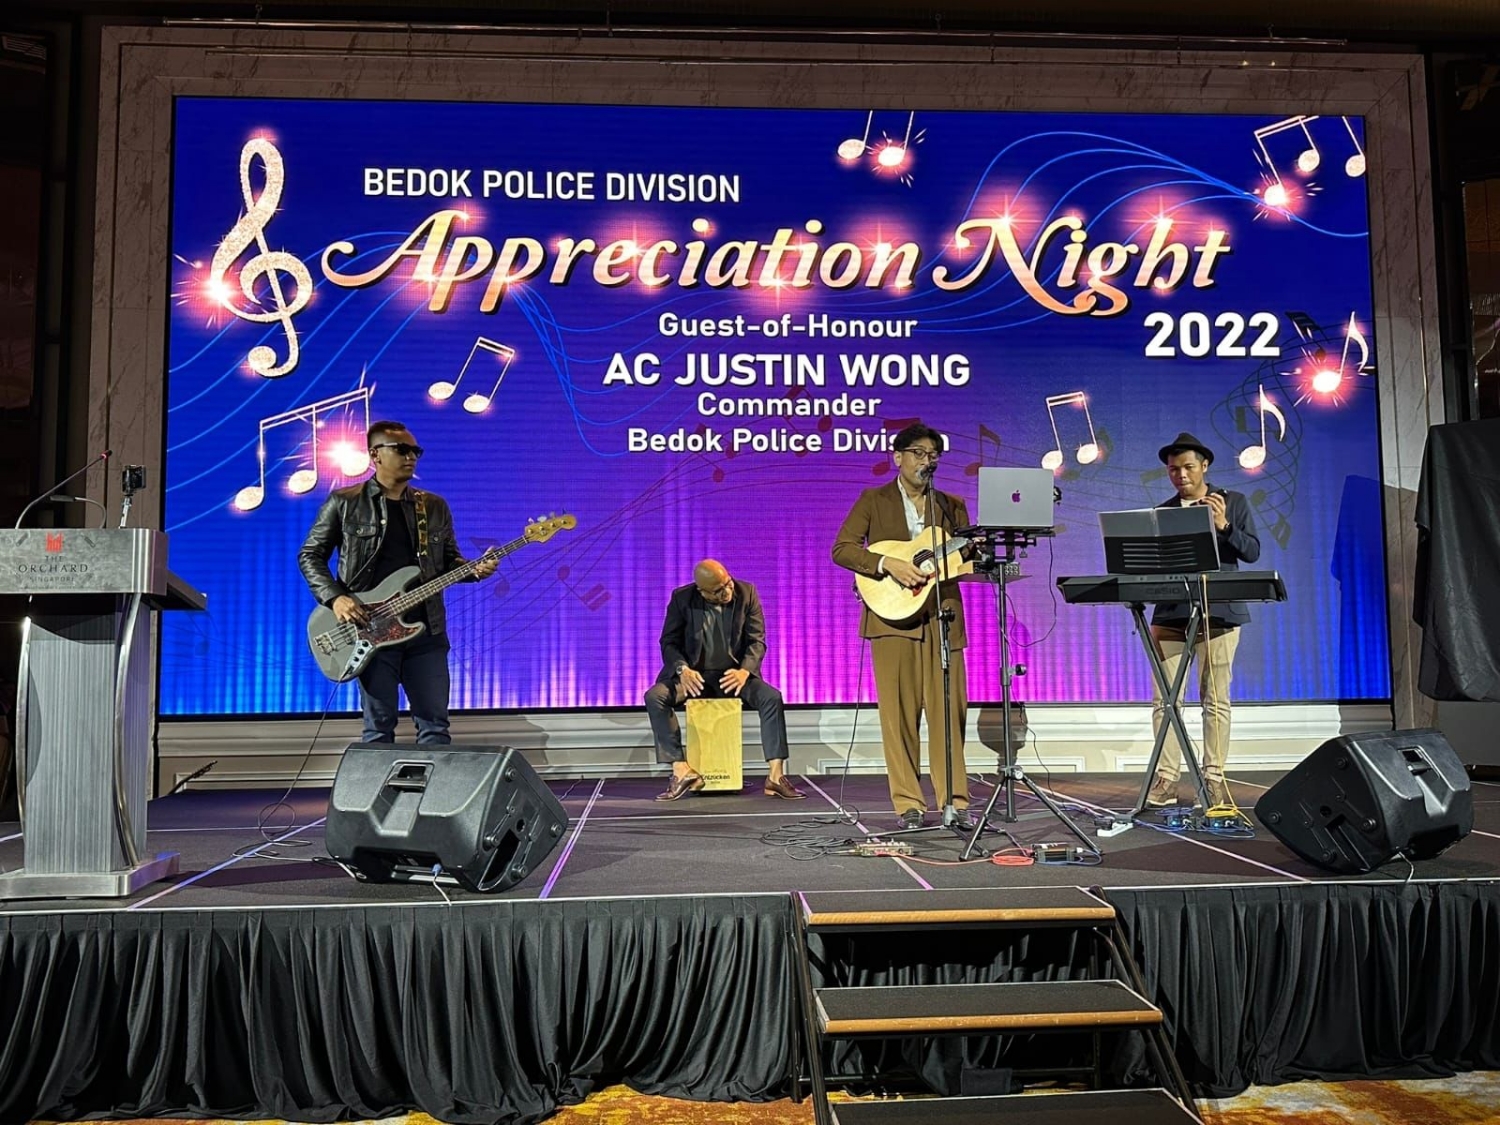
[782, 788]
[1219, 795]
[681, 786]
[1163, 795]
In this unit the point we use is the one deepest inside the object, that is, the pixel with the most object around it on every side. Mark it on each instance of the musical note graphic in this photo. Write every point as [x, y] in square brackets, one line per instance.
[855, 147]
[1305, 325]
[1088, 452]
[892, 155]
[1281, 531]
[715, 461]
[268, 264]
[442, 390]
[593, 598]
[1308, 160]
[985, 434]
[1353, 333]
[1354, 167]
[1254, 456]
[1327, 379]
[351, 459]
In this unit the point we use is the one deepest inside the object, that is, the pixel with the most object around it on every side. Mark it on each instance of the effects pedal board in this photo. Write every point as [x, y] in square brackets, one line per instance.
[882, 847]
[1057, 853]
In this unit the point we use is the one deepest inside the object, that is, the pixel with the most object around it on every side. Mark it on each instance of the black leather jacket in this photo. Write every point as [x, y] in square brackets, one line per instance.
[352, 521]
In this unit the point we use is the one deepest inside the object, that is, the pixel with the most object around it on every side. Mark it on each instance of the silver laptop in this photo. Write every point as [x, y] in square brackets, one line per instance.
[1015, 498]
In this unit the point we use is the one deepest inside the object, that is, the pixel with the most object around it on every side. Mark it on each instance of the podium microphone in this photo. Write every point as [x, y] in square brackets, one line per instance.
[58, 486]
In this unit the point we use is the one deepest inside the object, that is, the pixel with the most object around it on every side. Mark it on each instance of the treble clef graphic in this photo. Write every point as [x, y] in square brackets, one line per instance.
[269, 263]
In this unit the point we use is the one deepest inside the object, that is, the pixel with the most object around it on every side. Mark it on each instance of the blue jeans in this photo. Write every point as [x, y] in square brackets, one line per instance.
[421, 667]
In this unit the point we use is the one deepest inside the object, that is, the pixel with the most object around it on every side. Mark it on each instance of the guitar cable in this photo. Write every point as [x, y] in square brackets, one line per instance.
[804, 839]
[276, 835]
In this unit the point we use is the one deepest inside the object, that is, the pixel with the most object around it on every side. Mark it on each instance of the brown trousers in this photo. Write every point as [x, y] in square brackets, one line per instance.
[908, 682]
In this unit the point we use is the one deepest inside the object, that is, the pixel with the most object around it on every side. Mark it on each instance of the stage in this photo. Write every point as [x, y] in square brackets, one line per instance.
[653, 946]
[622, 843]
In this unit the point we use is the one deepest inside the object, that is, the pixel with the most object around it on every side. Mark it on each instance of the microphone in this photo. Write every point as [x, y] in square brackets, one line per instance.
[58, 486]
[59, 498]
[927, 471]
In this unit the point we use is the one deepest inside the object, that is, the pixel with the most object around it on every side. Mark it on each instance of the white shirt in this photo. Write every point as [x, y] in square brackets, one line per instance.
[915, 523]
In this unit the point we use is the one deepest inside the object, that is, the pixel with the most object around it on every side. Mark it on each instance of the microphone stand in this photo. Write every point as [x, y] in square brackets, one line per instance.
[950, 817]
[944, 616]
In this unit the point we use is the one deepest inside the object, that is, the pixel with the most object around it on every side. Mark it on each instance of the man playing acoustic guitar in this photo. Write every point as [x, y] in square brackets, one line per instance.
[377, 528]
[908, 652]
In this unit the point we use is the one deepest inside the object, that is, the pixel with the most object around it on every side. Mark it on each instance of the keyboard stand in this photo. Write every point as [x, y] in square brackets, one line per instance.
[1171, 694]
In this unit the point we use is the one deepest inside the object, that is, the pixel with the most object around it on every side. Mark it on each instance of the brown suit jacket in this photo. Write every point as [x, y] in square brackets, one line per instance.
[878, 515]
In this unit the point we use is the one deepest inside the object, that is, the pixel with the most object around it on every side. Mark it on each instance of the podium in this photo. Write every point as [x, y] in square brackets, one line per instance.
[83, 708]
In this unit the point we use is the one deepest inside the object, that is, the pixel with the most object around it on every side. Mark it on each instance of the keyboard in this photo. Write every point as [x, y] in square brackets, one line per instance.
[1127, 589]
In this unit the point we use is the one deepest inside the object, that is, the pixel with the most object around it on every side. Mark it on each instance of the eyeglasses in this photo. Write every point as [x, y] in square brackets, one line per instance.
[923, 454]
[402, 448]
[719, 592]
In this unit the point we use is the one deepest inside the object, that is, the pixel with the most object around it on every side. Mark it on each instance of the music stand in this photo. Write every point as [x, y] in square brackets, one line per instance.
[1174, 543]
[1160, 541]
[997, 549]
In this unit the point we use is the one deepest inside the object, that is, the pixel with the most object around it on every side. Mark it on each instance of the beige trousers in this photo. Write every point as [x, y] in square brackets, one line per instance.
[909, 681]
[1215, 656]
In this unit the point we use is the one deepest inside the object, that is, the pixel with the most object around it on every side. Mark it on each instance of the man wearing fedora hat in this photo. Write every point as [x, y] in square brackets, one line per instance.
[1187, 460]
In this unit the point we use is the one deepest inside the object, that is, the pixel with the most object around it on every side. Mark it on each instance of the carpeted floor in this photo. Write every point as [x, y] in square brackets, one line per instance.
[1467, 1099]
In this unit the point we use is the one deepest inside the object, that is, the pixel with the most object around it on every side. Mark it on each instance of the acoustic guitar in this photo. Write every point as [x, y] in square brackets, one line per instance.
[893, 602]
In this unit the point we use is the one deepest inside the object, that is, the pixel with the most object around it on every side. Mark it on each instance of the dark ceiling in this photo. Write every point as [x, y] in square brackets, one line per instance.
[1431, 22]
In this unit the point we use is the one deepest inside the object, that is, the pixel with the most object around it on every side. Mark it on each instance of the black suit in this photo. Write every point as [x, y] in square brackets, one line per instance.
[682, 646]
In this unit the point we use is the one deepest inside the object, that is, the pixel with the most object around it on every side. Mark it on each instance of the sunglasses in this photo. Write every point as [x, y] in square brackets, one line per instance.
[402, 448]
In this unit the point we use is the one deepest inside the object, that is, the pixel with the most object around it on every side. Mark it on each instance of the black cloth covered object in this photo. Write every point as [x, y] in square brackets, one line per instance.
[1457, 591]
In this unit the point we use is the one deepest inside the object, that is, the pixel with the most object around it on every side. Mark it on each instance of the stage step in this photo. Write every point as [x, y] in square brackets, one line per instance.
[1111, 1000]
[989, 907]
[949, 1009]
[1132, 1107]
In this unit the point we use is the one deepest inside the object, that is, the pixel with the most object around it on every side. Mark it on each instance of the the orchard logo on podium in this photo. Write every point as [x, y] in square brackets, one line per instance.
[54, 542]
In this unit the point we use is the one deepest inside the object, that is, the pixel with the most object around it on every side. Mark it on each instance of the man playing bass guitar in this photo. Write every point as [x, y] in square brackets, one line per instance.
[378, 528]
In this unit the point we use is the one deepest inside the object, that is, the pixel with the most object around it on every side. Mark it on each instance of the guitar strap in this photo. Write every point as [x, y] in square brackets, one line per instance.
[421, 525]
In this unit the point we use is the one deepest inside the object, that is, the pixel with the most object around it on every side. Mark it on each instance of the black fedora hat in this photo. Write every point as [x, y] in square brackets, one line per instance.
[1181, 444]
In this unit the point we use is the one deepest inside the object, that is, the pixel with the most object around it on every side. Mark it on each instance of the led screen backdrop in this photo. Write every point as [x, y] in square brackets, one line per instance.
[695, 331]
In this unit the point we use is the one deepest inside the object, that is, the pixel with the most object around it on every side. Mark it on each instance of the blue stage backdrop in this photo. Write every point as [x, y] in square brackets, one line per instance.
[695, 331]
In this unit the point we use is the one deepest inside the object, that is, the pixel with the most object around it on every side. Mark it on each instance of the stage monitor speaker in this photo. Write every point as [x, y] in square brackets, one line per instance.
[479, 813]
[1360, 800]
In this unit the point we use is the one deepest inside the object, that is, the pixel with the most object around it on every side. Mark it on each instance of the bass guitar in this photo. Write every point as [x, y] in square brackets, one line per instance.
[342, 648]
[893, 602]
